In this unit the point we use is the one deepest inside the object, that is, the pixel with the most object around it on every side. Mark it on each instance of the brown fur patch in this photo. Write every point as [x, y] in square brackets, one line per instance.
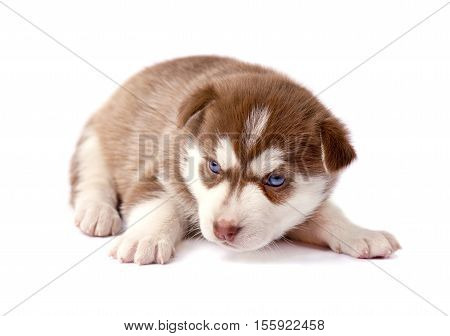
[298, 125]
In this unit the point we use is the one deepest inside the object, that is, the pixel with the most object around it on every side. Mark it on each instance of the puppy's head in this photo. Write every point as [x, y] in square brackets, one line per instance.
[263, 156]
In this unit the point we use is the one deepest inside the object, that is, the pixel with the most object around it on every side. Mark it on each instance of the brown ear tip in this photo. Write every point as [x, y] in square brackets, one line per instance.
[337, 150]
[179, 123]
[348, 155]
[194, 103]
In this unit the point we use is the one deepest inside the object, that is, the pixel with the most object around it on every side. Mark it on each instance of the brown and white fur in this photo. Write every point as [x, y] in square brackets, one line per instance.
[253, 123]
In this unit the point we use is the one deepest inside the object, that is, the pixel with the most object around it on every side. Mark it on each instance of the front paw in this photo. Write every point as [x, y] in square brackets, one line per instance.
[143, 250]
[97, 219]
[365, 244]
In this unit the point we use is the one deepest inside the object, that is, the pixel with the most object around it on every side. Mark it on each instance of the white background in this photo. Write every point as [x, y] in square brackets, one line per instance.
[396, 105]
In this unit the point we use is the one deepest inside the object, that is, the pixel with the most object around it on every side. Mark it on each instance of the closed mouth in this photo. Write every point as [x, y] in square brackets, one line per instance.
[228, 244]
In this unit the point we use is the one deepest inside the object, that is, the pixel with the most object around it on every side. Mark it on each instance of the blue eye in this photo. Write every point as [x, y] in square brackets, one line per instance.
[214, 167]
[275, 180]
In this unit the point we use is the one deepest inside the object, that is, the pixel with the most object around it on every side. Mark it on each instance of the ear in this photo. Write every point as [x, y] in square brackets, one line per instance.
[194, 104]
[337, 152]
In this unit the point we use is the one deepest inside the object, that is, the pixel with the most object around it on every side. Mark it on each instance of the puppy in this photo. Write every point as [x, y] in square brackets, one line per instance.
[211, 145]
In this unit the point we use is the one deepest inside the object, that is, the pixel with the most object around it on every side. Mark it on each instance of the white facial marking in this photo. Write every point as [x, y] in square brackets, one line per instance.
[266, 162]
[251, 210]
[209, 200]
[225, 154]
[308, 195]
[255, 125]
[261, 221]
[190, 164]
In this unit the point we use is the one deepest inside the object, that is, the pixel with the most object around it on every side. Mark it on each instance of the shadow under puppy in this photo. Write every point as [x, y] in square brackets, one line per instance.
[239, 152]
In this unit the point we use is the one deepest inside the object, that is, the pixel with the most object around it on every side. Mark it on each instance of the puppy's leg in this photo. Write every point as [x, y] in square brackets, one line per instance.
[153, 231]
[93, 195]
[329, 227]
